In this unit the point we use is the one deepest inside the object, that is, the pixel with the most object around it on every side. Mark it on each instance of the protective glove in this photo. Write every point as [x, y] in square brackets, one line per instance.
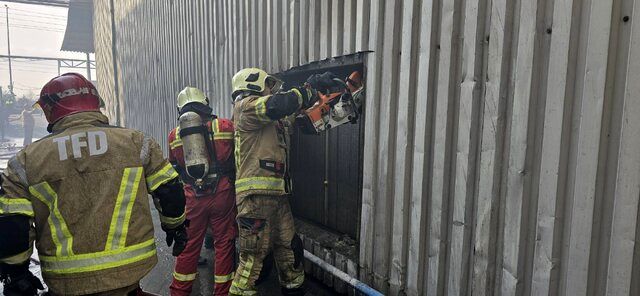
[326, 83]
[179, 236]
[18, 280]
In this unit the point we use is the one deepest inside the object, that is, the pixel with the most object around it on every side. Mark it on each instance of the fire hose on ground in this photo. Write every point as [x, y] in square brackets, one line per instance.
[358, 285]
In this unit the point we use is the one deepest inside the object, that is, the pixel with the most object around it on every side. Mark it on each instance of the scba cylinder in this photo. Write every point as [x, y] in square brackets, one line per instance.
[194, 146]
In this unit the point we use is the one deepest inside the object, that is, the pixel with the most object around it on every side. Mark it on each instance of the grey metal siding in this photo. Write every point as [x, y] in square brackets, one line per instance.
[501, 149]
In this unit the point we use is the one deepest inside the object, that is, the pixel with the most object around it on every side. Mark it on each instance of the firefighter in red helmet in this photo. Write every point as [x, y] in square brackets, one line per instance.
[81, 195]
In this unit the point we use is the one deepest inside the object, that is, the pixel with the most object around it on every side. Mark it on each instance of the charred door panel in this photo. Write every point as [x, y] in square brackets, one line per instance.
[308, 170]
[327, 168]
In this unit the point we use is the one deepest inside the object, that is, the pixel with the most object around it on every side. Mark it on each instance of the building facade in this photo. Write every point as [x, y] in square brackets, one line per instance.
[500, 141]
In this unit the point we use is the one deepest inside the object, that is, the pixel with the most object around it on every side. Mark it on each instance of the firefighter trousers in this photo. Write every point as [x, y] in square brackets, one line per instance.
[265, 223]
[217, 212]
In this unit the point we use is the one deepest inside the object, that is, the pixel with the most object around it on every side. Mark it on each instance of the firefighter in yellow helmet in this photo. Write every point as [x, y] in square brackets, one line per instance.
[201, 150]
[262, 132]
[81, 195]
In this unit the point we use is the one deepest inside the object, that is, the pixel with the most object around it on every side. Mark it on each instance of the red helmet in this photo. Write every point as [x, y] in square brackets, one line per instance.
[68, 94]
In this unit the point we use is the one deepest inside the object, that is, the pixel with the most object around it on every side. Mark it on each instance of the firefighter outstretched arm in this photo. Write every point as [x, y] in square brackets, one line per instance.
[271, 107]
[283, 104]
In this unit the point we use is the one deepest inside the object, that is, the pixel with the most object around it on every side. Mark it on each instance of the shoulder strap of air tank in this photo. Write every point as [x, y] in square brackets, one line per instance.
[211, 124]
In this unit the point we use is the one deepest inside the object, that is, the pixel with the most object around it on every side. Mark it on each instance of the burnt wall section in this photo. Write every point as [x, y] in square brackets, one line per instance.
[327, 168]
[501, 153]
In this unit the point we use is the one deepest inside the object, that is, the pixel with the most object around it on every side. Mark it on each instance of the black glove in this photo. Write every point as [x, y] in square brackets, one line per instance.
[326, 83]
[18, 280]
[179, 236]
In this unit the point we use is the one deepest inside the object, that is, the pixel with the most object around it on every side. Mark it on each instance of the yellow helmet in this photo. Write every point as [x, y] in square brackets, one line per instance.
[191, 95]
[254, 80]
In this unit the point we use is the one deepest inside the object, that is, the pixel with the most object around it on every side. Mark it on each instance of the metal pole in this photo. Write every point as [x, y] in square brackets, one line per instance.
[358, 285]
[2, 123]
[59, 66]
[88, 67]
[114, 58]
[9, 51]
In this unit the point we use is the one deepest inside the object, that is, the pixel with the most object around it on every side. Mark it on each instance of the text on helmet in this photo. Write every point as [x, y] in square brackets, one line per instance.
[77, 91]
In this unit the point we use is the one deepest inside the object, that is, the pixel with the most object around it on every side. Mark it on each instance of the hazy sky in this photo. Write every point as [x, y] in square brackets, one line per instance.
[36, 30]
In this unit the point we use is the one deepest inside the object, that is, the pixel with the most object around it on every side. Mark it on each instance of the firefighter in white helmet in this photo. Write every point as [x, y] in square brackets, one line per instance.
[263, 183]
[81, 195]
[201, 150]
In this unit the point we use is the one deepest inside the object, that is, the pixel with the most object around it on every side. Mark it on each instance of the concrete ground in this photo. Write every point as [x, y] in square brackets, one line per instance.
[159, 279]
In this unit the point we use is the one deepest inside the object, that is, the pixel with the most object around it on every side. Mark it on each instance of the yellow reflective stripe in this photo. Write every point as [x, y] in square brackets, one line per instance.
[129, 209]
[184, 277]
[217, 134]
[18, 258]
[245, 273]
[164, 175]
[98, 261]
[62, 238]
[175, 144]
[215, 126]
[299, 94]
[223, 136]
[116, 210]
[261, 108]
[237, 291]
[259, 183]
[221, 279]
[236, 149]
[124, 205]
[16, 206]
[172, 222]
[239, 285]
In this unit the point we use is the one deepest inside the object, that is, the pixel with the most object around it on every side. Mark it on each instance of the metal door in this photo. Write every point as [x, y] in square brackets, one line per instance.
[326, 169]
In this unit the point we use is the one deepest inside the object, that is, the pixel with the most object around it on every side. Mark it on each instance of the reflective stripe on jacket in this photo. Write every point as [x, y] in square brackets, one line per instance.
[86, 187]
[261, 149]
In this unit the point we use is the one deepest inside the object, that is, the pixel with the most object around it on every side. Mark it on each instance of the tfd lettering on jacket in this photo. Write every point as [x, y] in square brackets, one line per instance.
[95, 141]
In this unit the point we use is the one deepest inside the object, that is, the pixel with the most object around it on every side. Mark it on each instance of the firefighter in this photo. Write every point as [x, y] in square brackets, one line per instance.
[201, 150]
[260, 113]
[81, 194]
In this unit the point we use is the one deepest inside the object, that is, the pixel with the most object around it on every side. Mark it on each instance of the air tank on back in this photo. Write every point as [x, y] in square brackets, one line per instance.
[194, 146]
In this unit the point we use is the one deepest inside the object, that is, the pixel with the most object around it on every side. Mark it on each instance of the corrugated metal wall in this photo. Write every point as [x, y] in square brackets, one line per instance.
[502, 147]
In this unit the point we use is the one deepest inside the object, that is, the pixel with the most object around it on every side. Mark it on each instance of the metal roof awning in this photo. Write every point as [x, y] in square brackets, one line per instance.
[55, 3]
[78, 35]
